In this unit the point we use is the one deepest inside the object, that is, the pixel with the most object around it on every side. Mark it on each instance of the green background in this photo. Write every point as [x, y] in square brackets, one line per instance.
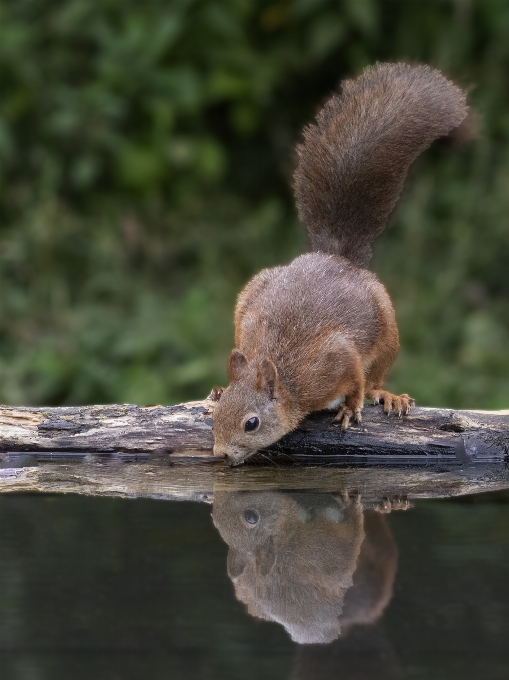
[146, 154]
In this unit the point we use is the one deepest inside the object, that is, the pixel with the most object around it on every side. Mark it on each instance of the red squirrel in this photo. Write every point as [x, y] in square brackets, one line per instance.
[323, 327]
[316, 563]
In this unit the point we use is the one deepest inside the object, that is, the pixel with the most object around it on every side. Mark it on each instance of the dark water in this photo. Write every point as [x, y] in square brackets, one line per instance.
[112, 588]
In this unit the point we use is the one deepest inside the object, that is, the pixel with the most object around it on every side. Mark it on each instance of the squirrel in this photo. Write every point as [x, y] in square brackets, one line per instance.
[317, 563]
[323, 328]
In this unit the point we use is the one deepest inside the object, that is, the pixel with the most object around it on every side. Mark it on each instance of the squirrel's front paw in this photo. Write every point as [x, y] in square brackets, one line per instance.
[216, 393]
[389, 504]
[345, 414]
[398, 404]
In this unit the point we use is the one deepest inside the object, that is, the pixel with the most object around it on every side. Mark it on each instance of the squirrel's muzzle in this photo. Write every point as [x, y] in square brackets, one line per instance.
[235, 456]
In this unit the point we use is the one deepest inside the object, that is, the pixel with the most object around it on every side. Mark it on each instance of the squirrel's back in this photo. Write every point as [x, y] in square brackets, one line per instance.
[287, 312]
[353, 162]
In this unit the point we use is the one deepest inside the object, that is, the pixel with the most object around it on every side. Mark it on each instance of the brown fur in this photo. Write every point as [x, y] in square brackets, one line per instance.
[316, 563]
[354, 161]
[323, 327]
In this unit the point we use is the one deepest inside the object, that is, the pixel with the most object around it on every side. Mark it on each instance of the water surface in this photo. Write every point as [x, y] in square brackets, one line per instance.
[95, 587]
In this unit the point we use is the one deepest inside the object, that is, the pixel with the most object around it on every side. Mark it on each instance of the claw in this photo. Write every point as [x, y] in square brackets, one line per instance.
[216, 393]
[345, 415]
[390, 503]
[400, 405]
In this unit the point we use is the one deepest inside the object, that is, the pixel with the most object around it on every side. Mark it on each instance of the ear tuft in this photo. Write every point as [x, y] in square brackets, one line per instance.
[267, 377]
[237, 364]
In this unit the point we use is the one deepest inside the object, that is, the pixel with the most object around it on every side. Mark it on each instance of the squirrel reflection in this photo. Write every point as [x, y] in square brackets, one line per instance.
[316, 563]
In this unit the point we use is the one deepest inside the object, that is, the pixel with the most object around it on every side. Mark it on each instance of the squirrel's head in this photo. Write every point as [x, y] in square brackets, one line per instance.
[250, 413]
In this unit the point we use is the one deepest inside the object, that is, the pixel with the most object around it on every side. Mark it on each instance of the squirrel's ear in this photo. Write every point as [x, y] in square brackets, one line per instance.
[236, 563]
[266, 556]
[237, 364]
[267, 378]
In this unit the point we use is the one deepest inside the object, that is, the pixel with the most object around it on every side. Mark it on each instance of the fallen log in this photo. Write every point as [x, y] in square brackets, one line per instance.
[185, 431]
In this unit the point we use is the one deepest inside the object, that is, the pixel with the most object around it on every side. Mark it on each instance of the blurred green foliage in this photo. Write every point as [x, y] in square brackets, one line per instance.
[146, 152]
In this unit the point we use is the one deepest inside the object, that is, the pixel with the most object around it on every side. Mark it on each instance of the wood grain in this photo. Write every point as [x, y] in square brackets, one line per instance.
[185, 431]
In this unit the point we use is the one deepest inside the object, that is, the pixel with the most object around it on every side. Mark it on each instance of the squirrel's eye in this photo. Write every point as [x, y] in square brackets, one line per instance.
[251, 424]
[251, 516]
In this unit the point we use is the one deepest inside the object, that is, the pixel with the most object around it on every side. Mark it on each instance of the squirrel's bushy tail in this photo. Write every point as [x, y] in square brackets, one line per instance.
[353, 162]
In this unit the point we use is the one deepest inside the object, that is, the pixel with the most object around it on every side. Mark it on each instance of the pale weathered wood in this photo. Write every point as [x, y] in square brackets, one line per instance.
[65, 433]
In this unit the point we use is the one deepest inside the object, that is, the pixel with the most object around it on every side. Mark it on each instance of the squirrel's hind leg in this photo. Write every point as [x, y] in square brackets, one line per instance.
[399, 404]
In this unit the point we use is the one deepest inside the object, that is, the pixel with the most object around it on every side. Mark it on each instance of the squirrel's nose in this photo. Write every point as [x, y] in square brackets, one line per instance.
[233, 456]
[235, 462]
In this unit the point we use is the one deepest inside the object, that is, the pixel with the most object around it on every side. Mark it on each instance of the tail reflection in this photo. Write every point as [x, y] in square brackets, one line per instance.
[316, 563]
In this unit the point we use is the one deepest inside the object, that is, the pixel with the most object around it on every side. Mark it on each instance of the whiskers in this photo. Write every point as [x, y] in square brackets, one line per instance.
[271, 460]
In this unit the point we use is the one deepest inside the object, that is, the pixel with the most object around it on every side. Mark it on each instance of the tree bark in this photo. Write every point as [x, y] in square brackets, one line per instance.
[185, 431]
